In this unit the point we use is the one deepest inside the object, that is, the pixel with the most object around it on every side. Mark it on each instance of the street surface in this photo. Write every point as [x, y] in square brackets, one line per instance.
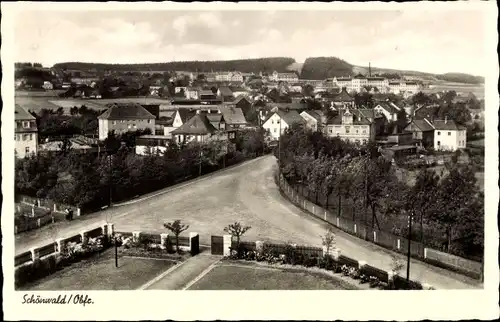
[246, 193]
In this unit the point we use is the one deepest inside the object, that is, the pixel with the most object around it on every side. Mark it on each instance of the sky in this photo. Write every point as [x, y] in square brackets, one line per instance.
[428, 41]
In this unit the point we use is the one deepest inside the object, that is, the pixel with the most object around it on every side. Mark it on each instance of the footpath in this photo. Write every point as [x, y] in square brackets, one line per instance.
[183, 275]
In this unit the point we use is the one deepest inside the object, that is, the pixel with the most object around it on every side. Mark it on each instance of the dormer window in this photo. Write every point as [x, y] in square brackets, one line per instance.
[26, 124]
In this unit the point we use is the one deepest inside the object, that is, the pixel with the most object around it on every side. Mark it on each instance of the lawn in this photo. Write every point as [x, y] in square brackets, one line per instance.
[99, 273]
[248, 277]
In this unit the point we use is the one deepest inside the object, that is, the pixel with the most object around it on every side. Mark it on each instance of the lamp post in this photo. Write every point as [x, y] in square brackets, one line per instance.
[410, 219]
[110, 202]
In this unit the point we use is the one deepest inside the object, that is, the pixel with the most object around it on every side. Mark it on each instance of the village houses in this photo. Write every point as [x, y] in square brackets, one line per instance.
[441, 135]
[352, 126]
[278, 121]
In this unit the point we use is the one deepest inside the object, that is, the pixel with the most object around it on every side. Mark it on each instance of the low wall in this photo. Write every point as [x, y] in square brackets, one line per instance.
[54, 247]
[396, 243]
[280, 249]
[187, 243]
[48, 204]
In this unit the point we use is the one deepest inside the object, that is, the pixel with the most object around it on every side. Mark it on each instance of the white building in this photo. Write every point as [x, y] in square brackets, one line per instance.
[26, 133]
[389, 109]
[229, 77]
[284, 77]
[277, 122]
[125, 117]
[448, 135]
[358, 82]
[313, 120]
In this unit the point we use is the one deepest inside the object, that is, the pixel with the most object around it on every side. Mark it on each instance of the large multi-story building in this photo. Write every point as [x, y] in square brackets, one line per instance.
[441, 135]
[125, 117]
[284, 77]
[351, 125]
[384, 85]
[26, 133]
[229, 77]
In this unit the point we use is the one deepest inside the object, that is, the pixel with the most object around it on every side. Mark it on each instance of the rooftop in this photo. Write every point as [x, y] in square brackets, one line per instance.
[22, 114]
[197, 125]
[125, 111]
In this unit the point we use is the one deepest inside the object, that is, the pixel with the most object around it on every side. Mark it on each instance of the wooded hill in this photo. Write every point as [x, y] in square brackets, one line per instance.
[269, 65]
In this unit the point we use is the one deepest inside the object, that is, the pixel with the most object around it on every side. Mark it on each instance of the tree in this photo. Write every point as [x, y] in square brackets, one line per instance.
[177, 228]
[236, 230]
[308, 90]
[455, 195]
[328, 240]
[423, 194]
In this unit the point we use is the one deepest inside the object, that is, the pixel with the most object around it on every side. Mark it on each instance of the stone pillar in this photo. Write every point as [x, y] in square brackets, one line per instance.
[136, 235]
[33, 212]
[38, 222]
[78, 212]
[194, 248]
[227, 240]
[259, 246]
[399, 244]
[335, 253]
[164, 241]
[325, 215]
[425, 252]
[104, 229]
[83, 234]
[55, 208]
[355, 228]
[34, 254]
[374, 236]
[361, 264]
[38, 202]
[314, 212]
[338, 222]
[111, 229]
[59, 243]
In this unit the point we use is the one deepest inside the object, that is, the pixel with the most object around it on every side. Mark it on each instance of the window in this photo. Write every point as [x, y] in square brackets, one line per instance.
[25, 137]
[357, 131]
[364, 131]
[114, 122]
[31, 137]
[272, 121]
[27, 149]
[274, 130]
[330, 130]
[347, 129]
[439, 133]
[364, 141]
[277, 121]
[338, 134]
[129, 126]
[449, 133]
[26, 124]
[149, 121]
[439, 143]
[135, 126]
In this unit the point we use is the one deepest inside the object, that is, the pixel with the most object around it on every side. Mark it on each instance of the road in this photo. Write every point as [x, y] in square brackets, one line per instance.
[246, 193]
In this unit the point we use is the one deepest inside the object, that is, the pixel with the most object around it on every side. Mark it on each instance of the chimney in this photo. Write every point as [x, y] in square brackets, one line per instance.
[369, 69]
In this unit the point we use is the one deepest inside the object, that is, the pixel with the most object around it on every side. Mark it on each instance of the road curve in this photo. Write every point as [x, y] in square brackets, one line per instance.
[246, 193]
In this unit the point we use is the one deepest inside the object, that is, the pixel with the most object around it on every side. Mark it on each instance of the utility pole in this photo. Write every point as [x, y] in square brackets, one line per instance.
[410, 219]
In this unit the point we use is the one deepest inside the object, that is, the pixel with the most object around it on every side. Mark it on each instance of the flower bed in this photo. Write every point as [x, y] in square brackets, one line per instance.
[146, 247]
[343, 265]
[70, 253]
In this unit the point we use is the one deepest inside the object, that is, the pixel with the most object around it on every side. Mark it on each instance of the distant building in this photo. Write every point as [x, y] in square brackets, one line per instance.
[26, 133]
[225, 94]
[124, 117]
[313, 120]
[284, 77]
[229, 77]
[389, 109]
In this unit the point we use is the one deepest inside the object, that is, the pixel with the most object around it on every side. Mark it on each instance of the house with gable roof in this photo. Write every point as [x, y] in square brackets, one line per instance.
[278, 121]
[203, 127]
[124, 117]
[350, 125]
[26, 133]
[441, 135]
[389, 109]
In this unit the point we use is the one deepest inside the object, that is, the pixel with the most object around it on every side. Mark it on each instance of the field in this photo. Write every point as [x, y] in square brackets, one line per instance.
[99, 273]
[253, 277]
[477, 90]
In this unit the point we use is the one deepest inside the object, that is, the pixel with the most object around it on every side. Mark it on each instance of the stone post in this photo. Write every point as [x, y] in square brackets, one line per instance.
[111, 230]
[59, 243]
[355, 228]
[55, 208]
[38, 202]
[33, 212]
[78, 212]
[338, 222]
[34, 254]
[335, 253]
[104, 229]
[136, 235]
[83, 234]
[38, 222]
[194, 248]
[374, 236]
[325, 215]
[399, 244]
[227, 240]
[361, 264]
[425, 252]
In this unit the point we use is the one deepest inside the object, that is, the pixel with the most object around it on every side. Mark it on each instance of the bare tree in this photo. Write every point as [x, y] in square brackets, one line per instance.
[237, 230]
[176, 227]
[329, 240]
